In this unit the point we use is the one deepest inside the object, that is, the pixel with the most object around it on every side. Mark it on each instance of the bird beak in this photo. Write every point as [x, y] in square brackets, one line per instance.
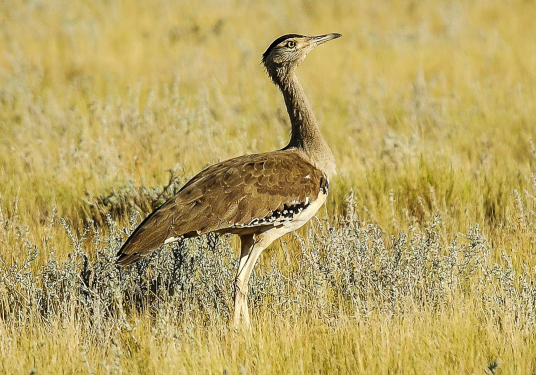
[317, 40]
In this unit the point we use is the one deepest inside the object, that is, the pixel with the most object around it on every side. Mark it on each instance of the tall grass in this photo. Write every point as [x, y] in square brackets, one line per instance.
[341, 280]
[422, 261]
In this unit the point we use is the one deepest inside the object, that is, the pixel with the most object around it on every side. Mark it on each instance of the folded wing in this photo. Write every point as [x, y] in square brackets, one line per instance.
[229, 197]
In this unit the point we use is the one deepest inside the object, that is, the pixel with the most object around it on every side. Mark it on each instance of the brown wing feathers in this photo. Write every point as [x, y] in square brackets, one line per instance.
[225, 196]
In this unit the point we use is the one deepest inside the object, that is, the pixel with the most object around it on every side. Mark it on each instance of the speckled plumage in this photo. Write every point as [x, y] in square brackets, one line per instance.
[226, 198]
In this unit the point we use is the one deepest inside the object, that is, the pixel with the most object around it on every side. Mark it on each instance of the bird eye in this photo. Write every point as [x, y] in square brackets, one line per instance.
[291, 44]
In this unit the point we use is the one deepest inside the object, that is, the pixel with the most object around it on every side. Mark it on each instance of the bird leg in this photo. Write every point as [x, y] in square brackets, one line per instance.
[246, 243]
[252, 247]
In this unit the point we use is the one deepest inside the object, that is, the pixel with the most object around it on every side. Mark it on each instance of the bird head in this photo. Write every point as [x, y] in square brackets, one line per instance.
[288, 51]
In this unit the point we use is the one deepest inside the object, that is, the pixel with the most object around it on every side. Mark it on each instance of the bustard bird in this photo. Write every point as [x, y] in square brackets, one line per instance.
[260, 197]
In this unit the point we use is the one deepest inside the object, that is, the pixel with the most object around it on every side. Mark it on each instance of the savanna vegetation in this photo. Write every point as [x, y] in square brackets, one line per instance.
[423, 260]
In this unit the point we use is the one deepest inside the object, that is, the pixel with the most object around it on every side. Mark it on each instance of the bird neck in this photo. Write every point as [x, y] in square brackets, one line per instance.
[306, 135]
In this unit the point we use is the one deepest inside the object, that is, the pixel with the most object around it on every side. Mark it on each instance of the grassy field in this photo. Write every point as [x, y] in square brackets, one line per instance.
[423, 260]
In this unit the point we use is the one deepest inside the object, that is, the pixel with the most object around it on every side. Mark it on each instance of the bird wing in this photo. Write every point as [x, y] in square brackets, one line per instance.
[226, 197]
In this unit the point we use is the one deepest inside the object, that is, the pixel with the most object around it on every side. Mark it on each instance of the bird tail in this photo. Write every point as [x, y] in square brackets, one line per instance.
[126, 259]
[147, 237]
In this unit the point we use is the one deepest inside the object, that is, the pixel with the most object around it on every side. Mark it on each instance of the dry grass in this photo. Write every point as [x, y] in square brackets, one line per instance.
[422, 262]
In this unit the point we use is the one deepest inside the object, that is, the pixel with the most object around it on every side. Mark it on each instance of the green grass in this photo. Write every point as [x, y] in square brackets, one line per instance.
[428, 107]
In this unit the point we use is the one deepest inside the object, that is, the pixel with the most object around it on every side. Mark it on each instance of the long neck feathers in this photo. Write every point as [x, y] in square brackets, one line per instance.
[306, 135]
